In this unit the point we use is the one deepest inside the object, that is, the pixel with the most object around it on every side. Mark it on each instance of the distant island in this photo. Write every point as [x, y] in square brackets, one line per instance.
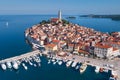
[113, 17]
[71, 17]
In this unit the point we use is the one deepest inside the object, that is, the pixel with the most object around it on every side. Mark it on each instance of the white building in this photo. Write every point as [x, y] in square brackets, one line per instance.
[103, 51]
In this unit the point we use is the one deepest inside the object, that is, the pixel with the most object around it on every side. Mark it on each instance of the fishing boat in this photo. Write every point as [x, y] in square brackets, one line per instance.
[83, 67]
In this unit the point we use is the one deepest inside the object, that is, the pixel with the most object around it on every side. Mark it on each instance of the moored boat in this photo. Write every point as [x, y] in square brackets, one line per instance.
[15, 65]
[3, 66]
[68, 63]
[97, 68]
[25, 67]
[74, 64]
[83, 67]
[60, 62]
[9, 65]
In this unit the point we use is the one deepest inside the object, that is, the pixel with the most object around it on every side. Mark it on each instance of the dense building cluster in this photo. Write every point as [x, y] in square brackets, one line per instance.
[60, 35]
[76, 39]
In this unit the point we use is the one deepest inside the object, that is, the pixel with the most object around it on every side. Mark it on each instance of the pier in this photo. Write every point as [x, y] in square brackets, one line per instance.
[16, 58]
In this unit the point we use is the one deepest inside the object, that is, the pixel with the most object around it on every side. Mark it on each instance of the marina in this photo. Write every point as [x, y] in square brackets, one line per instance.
[72, 61]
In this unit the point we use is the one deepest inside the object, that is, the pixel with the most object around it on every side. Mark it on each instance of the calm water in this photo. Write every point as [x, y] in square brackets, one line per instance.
[12, 43]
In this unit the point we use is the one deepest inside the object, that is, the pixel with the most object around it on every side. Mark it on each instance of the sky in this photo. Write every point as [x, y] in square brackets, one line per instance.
[74, 7]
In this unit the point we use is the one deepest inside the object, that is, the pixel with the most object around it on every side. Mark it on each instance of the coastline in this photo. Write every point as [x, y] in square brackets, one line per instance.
[93, 62]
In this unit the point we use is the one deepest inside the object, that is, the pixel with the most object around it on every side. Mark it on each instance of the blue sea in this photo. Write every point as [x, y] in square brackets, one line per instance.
[12, 43]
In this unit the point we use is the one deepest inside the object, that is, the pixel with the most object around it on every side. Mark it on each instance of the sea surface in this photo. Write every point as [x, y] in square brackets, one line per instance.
[13, 43]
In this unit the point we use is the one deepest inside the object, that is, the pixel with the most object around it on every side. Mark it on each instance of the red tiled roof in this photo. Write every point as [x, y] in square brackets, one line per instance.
[56, 41]
[50, 45]
[102, 46]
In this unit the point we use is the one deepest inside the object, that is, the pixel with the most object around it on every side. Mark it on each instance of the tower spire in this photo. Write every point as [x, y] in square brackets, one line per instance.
[59, 15]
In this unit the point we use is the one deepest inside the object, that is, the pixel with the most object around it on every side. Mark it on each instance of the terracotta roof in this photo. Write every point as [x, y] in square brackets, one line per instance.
[71, 45]
[103, 46]
[54, 19]
[50, 45]
[82, 51]
[56, 41]
[114, 49]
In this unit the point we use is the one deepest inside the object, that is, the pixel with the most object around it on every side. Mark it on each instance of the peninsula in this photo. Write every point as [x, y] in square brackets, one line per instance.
[62, 38]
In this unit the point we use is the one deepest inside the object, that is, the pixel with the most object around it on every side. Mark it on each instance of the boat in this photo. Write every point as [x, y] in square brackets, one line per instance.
[25, 67]
[35, 65]
[83, 67]
[3, 66]
[106, 70]
[15, 65]
[49, 61]
[77, 67]
[60, 62]
[112, 78]
[97, 68]
[6, 23]
[30, 63]
[39, 64]
[54, 62]
[68, 63]
[9, 65]
[74, 64]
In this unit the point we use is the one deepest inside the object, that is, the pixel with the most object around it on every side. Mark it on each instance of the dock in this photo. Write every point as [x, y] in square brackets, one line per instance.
[16, 58]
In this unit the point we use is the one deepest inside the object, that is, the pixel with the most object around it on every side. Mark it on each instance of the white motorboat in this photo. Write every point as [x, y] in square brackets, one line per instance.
[74, 64]
[83, 67]
[9, 65]
[30, 63]
[25, 67]
[77, 67]
[68, 63]
[15, 65]
[97, 68]
[60, 62]
[35, 65]
[3, 66]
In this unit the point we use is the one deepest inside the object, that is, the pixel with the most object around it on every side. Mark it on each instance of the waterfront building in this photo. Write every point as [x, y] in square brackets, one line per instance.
[105, 51]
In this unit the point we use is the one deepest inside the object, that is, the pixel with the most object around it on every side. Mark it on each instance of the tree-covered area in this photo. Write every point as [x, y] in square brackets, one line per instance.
[45, 22]
[113, 17]
[65, 21]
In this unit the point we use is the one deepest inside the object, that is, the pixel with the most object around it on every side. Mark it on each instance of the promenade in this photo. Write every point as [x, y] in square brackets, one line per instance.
[113, 65]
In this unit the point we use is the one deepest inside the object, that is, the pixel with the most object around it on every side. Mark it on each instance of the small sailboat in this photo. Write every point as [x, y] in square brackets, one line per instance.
[6, 23]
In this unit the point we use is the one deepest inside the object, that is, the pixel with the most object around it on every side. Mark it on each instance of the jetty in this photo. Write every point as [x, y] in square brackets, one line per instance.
[20, 57]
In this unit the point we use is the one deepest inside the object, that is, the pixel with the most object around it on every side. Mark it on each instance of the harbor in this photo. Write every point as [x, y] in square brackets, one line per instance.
[69, 60]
